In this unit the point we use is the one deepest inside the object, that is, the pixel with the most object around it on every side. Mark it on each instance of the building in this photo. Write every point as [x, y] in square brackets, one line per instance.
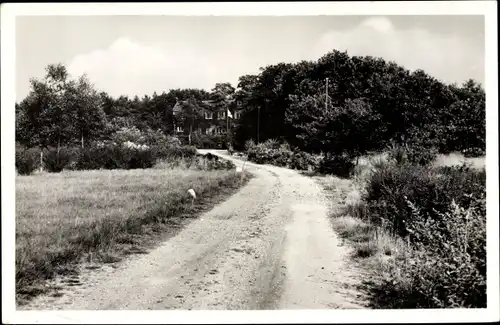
[206, 118]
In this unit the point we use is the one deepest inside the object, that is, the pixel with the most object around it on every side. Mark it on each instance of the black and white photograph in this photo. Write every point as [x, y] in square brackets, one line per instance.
[293, 162]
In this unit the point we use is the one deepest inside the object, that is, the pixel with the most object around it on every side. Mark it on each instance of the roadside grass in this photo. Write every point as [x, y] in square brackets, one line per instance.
[100, 216]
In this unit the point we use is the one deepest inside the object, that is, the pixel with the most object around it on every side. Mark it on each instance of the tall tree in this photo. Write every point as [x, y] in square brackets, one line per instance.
[89, 119]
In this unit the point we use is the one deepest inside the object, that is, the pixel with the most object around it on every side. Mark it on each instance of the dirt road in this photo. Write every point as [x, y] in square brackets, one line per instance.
[270, 246]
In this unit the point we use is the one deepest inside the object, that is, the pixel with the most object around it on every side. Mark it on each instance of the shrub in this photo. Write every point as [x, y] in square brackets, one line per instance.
[389, 187]
[270, 153]
[27, 160]
[416, 154]
[173, 152]
[132, 134]
[206, 141]
[112, 156]
[421, 155]
[198, 162]
[303, 161]
[271, 144]
[55, 162]
[473, 152]
[249, 144]
[341, 166]
[398, 154]
[447, 267]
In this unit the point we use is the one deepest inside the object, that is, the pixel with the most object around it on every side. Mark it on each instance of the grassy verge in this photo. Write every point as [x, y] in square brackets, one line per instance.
[420, 232]
[100, 216]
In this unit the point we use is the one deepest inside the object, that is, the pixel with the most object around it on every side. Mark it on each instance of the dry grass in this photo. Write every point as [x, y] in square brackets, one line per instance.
[375, 251]
[64, 218]
[454, 159]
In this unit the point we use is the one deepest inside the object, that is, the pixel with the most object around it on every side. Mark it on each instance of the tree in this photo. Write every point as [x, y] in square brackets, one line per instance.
[43, 116]
[342, 130]
[89, 119]
[189, 115]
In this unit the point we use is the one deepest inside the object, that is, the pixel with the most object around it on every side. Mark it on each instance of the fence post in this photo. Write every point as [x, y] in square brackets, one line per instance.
[41, 160]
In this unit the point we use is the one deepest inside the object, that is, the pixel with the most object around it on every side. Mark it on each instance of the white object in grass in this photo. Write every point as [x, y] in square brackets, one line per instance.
[193, 195]
[239, 169]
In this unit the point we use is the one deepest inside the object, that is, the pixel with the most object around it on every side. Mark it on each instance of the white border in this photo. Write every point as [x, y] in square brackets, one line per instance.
[10, 11]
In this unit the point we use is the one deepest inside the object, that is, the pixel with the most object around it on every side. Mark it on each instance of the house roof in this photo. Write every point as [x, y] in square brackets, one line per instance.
[179, 105]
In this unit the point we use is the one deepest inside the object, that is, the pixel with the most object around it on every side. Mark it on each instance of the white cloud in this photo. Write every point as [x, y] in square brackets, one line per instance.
[446, 57]
[380, 24]
[129, 68]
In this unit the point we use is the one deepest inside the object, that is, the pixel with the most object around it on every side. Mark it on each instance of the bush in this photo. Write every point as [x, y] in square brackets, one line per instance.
[249, 144]
[416, 155]
[173, 152]
[112, 156]
[390, 186]
[447, 267]
[473, 152]
[398, 154]
[261, 154]
[421, 155]
[341, 166]
[54, 162]
[198, 162]
[27, 160]
[205, 141]
[303, 161]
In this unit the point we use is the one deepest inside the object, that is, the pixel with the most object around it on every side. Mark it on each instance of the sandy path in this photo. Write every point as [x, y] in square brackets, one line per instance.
[270, 246]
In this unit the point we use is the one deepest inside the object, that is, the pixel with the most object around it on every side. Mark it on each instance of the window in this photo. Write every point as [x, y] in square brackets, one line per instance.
[237, 115]
[179, 129]
[208, 115]
[220, 130]
[221, 115]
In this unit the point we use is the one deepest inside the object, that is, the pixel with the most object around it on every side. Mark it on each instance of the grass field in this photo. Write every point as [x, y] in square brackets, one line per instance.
[100, 216]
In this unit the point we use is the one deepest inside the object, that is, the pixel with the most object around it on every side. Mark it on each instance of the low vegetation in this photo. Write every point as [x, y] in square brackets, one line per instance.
[421, 230]
[99, 216]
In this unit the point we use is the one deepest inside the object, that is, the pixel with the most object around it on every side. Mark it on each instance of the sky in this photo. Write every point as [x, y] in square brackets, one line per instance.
[137, 55]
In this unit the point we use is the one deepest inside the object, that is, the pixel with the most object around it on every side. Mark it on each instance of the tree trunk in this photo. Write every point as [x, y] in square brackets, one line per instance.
[58, 149]
[258, 124]
[83, 146]
[190, 130]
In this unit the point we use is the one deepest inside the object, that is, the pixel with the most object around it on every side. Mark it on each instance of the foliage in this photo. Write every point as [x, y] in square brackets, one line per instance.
[205, 141]
[55, 160]
[274, 153]
[447, 266]
[338, 165]
[303, 161]
[59, 111]
[370, 103]
[416, 154]
[27, 160]
[434, 189]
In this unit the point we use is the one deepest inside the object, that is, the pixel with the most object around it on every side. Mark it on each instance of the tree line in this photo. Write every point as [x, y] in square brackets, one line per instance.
[369, 104]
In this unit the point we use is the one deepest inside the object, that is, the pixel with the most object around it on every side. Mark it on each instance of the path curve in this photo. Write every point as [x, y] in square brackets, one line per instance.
[269, 246]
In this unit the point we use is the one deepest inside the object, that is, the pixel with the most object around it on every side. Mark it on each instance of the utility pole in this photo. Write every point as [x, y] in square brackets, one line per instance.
[227, 127]
[258, 122]
[326, 95]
